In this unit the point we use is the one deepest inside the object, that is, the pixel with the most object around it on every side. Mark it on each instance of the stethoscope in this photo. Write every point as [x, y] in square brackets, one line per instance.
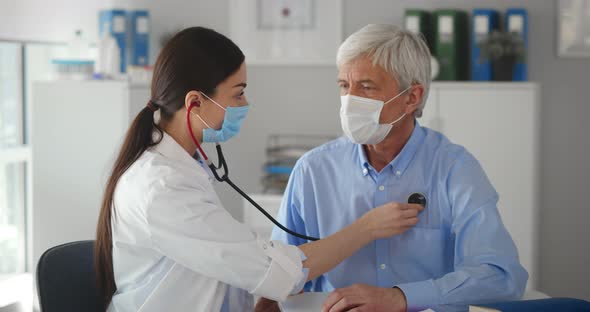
[415, 198]
[222, 164]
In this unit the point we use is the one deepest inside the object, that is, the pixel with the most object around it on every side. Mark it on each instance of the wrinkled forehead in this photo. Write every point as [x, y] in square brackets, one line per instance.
[363, 70]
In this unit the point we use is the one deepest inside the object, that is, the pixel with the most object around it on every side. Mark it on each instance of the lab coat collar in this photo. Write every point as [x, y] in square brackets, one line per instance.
[169, 148]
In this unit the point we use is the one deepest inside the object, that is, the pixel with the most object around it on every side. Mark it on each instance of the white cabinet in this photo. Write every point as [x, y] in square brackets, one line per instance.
[499, 124]
[77, 128]
[255, 219]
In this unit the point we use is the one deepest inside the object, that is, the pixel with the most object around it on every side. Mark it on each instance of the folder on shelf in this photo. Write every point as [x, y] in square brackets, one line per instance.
[420, 22]
[139, 28]
[517, 21]
[484, 22]
[451, 44]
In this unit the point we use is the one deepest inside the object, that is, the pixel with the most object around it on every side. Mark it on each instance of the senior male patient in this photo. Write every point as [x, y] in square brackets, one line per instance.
[459, 252]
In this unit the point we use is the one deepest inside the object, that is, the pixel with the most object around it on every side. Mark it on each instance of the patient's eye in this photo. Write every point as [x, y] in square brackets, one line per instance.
[367, 86]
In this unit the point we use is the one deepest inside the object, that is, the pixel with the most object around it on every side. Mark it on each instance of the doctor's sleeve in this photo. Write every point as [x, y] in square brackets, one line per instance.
[188, 226]
[486, 264]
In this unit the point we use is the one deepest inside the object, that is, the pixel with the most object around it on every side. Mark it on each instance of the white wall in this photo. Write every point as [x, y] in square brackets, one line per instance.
[57, 20]
[47, 20]
[304, 99]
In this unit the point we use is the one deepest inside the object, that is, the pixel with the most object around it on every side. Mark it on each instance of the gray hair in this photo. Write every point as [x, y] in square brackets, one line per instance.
[401, 53]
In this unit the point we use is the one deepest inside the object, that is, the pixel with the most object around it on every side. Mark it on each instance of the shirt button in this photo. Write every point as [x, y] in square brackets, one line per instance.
[398, 173]
[365, 171]
[381, 188]
[383, 266]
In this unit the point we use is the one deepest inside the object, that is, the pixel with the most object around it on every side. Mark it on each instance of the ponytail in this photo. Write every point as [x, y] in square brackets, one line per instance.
[139, 138]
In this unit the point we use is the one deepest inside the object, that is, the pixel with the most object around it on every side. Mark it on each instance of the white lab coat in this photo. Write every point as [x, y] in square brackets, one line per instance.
[175, 248]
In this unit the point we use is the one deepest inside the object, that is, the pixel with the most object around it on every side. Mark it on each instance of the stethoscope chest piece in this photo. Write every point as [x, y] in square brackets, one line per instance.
[417, 198]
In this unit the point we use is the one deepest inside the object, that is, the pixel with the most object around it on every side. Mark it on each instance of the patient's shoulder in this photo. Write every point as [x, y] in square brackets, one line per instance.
[333, 151]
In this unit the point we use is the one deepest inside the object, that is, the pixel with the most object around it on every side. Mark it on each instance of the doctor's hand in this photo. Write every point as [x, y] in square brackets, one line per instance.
[391, 219]
[362, 298]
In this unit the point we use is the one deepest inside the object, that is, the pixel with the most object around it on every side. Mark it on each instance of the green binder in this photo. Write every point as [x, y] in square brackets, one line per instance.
[451, 44]
[420, 22]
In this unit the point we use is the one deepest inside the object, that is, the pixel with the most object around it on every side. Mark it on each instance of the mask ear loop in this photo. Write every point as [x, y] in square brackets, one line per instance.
[221, 159]
[395, 97]
[190, 131]
[398, 95]
[397, 120]
[197, 104]
[201, 119]
[210, 99]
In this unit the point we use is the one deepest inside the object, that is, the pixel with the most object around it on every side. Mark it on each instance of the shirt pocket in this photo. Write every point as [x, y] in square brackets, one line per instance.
[421, 254]
[430, 217]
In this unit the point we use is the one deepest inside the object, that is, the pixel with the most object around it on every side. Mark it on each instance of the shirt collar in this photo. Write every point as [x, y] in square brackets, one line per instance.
[401, 162]
[169, 148]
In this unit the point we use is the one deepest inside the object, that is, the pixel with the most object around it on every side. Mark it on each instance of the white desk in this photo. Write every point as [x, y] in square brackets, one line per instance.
[313, 301]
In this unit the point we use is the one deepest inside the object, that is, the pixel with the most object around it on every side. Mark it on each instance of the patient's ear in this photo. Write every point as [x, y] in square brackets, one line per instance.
[415, 95]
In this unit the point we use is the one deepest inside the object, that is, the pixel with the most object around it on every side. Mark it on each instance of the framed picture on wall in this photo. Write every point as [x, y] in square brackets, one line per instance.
[573, 33]
[287, 31]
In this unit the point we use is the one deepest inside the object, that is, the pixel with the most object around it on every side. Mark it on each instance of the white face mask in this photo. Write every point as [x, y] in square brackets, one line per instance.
[359, 117]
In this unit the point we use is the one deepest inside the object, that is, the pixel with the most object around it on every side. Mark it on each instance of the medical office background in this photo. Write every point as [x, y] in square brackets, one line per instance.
[287, 99]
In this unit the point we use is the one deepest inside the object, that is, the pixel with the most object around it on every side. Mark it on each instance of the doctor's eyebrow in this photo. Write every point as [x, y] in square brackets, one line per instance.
[242, 84]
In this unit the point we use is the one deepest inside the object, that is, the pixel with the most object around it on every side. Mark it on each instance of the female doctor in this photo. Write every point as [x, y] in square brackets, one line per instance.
[164, 241]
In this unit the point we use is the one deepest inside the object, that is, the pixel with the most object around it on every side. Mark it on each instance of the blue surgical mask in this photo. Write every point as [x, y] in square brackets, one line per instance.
[232, 122]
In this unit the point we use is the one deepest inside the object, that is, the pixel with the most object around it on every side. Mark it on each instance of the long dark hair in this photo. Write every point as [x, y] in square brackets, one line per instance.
[197, 59]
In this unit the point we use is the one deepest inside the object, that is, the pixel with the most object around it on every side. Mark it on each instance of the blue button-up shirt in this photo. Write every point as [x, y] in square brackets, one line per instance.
[459, 252]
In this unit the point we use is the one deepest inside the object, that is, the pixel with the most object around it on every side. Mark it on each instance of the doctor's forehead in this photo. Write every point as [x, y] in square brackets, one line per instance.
[237, 79]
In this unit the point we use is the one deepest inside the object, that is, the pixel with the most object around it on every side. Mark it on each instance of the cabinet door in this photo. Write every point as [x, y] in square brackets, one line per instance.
[255, 219]
[499, 126]
[78, 129]
[139, 95]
